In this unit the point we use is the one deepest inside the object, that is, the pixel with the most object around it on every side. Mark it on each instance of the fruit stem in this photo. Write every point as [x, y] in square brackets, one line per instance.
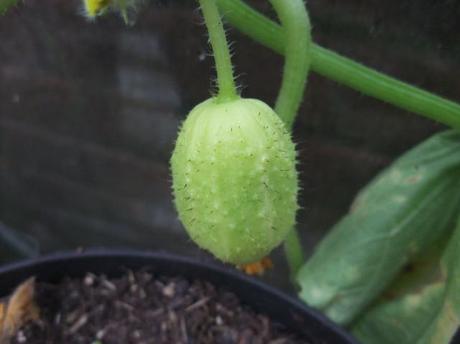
[344, 70]
[297, 52]
[218, 40]
[293, 251]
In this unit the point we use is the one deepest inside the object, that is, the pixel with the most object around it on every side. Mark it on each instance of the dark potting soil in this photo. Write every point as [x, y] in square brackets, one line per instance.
[142, 308]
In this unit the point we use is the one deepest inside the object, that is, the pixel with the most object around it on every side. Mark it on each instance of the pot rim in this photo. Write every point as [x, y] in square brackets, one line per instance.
[239, 283]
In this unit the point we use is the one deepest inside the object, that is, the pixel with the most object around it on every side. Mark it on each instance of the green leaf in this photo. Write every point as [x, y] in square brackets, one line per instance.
[399, 214]
[401, 321]
[6, 4]
[408, 306]
[447, 320]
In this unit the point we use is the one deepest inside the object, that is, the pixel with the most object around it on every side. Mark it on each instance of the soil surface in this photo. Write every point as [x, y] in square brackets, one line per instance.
[142, 308]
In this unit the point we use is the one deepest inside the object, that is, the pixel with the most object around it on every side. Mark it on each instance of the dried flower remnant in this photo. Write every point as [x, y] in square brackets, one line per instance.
[258, 268]
[18, 309]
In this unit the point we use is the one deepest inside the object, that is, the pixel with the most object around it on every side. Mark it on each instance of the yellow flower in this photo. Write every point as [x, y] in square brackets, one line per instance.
[95, 8]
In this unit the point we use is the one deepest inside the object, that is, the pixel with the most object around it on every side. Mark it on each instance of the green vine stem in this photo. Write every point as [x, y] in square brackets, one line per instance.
[218, 40]
[293, 251]
[296, 26]
[342, 69]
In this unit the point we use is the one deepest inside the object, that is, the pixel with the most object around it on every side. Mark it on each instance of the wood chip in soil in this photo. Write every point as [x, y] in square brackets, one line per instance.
[140, 308]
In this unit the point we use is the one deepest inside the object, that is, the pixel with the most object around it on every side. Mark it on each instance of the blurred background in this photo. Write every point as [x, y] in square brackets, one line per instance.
[89, 113]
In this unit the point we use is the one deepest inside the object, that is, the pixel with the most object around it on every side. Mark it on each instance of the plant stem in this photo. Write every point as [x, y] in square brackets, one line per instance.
[296, 26]
[294, 252]
[344, 70]
[225, 80]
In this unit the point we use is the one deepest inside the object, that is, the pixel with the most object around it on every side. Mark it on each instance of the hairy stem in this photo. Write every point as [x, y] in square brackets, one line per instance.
[218, 40]
[344, 70]
[296, 26]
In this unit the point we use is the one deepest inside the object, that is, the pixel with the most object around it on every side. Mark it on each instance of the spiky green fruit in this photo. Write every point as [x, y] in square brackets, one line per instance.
[234, 179]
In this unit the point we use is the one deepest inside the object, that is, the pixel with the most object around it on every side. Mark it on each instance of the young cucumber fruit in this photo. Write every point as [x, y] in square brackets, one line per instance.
[234, 179]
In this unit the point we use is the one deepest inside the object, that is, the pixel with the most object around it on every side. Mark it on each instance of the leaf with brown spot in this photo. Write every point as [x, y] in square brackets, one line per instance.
[392, 222]
[408, 306]
[447, 320]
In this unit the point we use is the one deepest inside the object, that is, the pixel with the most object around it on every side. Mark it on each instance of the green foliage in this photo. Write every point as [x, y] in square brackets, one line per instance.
[235, 187]
[401, 321]
[6, 4]
[234, 179]
[447, 319]
[422, 307]
[343, 70]
[408, 306]
[410, 205]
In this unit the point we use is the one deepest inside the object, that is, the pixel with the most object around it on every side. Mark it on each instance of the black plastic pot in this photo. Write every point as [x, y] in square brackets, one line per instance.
[280, 307]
